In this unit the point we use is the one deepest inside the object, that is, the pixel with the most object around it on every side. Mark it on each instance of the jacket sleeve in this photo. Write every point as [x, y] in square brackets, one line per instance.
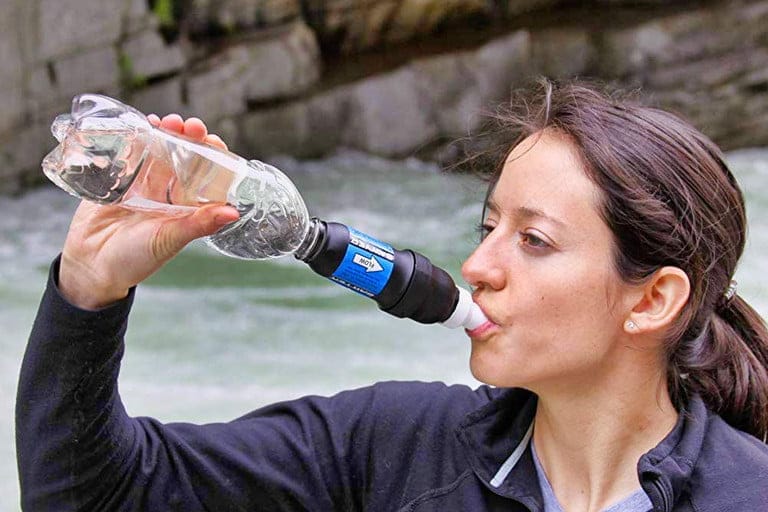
[77, 448]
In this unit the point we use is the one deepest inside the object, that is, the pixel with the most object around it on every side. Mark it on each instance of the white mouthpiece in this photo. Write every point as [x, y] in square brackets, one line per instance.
[467, 314]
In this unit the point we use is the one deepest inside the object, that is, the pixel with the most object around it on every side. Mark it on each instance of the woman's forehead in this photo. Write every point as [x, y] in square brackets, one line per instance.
[544, 173]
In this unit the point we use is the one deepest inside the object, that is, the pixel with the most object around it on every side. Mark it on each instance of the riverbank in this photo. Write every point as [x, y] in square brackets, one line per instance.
[390, 78]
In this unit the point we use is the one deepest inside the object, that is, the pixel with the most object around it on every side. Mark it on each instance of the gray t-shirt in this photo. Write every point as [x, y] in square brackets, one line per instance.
[636, 502]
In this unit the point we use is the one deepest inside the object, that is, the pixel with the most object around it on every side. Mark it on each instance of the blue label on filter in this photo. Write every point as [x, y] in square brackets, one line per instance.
[367, 265]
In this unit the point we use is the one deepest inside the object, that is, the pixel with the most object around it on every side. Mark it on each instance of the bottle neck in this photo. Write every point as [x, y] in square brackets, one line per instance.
[312, 243]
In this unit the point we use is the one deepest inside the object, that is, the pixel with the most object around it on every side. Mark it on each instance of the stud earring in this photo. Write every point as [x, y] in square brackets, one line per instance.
[630, 325]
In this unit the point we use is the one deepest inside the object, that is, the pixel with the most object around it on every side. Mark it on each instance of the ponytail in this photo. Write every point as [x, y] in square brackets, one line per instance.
[728, 367]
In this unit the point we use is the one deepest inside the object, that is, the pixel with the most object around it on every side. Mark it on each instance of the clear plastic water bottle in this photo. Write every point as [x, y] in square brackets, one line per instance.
[109, 153]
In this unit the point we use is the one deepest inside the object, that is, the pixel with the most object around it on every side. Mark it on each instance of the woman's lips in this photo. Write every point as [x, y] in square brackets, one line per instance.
[478, 332]
[484, 328]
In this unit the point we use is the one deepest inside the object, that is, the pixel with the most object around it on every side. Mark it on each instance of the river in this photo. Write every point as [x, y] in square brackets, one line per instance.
[211, 338]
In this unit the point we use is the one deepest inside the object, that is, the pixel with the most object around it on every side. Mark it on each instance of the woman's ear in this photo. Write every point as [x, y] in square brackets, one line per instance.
[663, 297]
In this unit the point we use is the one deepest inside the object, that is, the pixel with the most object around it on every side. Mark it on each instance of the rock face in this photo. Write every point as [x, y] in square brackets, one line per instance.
[391, 77]
[228, 16]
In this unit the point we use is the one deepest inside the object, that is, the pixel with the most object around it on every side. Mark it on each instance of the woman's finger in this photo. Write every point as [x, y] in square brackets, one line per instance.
[173, 235]
[172, 122]
[215, 140]
[195, 128]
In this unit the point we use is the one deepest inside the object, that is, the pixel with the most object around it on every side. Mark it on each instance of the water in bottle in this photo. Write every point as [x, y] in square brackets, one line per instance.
[109, 153]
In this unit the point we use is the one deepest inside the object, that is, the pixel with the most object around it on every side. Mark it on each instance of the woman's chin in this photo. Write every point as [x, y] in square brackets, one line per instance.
[495, 371]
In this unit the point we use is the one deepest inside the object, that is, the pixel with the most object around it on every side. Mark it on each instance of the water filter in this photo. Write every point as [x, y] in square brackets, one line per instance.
[404, 283]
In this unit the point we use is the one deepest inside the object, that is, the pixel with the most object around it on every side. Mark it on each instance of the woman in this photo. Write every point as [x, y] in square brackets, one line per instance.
[628, 375]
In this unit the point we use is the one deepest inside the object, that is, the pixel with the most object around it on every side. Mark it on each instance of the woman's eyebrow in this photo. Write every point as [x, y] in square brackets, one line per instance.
[524, 212]
[527, 212]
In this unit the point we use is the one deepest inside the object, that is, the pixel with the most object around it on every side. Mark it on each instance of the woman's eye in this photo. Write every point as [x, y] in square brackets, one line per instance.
[534, 241]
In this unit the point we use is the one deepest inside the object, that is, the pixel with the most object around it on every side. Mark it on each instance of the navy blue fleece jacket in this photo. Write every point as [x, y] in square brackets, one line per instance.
[388, 447]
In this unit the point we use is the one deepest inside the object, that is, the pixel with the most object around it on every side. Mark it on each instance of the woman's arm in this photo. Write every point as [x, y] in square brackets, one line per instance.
[79, 450]
[68, 417]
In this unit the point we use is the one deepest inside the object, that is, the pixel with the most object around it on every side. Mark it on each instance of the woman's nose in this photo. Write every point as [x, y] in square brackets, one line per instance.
[482, 268]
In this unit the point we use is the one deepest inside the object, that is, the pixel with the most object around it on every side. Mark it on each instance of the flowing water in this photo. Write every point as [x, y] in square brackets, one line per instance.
[211, 338]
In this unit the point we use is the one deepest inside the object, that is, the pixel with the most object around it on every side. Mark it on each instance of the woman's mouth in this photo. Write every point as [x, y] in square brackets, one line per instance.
[481, 330]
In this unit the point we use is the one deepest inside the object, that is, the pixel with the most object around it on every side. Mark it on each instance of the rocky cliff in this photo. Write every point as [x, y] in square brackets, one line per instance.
[390, 77]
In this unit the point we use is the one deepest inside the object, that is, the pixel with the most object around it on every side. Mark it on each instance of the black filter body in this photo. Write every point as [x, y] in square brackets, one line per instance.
[403, 283]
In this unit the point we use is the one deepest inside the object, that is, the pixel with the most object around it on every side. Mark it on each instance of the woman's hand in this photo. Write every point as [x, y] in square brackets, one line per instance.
[109, 249]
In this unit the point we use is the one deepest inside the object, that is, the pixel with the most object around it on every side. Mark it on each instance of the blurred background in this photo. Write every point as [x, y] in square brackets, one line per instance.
[362, 103]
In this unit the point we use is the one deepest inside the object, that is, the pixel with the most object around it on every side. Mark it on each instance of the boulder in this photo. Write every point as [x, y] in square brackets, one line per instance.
[451, 87]
[218, 89]
[413, 18]
[12, 104]
[388, 116]
[21, 152]
[679, 38]
[93, 70]
[138, 17]
[145, 54]
[304, 129]
[349, 26]
[279, 66]
[283, 66]
[501, 65]
[253, 68]
[161, 98]
[562, 52]
[227, 16]
[66, 27]
[396, 113]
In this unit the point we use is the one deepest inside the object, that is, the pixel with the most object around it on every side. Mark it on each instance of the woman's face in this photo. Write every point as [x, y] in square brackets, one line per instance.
[543, 274]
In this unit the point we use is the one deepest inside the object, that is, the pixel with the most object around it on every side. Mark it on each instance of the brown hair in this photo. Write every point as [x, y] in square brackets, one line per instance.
[670, 200]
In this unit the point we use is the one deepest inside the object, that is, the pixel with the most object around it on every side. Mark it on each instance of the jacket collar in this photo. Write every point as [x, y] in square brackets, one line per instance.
[665, 471]
[492, 434]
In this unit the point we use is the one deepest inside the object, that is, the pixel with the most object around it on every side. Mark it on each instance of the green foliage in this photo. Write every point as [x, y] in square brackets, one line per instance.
[164, 11]
[129, 79]
[169, 13]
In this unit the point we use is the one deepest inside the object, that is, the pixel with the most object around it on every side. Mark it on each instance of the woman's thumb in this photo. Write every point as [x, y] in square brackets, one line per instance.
[173, 236]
